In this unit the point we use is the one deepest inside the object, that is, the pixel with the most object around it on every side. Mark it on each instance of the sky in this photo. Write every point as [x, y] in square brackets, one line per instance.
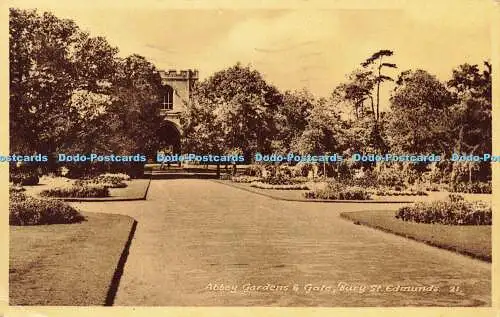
[298, 47]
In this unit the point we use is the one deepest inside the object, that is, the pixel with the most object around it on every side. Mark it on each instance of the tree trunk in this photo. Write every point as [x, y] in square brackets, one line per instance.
[378, 86]
[373, 109]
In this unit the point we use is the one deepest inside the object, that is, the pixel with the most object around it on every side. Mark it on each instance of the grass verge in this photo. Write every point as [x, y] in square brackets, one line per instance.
[68, 264]
[474, 241]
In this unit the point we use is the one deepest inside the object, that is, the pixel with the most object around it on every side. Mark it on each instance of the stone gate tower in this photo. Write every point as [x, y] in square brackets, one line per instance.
[178, 86]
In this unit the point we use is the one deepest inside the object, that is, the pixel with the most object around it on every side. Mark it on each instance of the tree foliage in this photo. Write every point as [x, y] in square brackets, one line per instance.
[376, 65]
[471, 115]
[70, 92]
[240, 105]
[325, 131]
[419, 105]
[292, 118]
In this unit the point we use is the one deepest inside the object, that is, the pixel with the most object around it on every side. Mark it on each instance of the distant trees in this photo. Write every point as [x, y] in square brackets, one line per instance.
[235, 108]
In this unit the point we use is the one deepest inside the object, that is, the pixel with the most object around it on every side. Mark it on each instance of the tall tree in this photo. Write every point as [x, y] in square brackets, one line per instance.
[244, 106]
[51, 59]
[291, 118]
[471, 122]
[420, 111]
[325, 131]
[137, 89]
[376, 61]
[357, 90]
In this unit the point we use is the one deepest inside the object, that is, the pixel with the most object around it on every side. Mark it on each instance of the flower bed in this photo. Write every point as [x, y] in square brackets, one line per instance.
[472, 188]
[280, 180]
[280, 187]
[25, 210]
[77, 191]
[107, 180]
[245, 179]
[119, 176]
[338, 192]
[454, 211]
[391, 192]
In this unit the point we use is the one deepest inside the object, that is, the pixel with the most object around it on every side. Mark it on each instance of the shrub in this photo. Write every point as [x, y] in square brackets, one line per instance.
[389, 192]
[362, 178]
[245, 179]
[77, 191]
[304, 169]
[120, 176]
[280, 180]
[472, 188]
[390, 176]
[335, 191]
[107, 180]
[16, 188]
[455, 197]
[432, 188]
[447, 212]
[253, 170]
[285, 171]
[25, 210]
[28, 178]
[281, 187]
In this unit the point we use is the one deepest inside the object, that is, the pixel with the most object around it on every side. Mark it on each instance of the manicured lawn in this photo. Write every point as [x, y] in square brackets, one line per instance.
[136, 189]
[474, 241]
[69, 264]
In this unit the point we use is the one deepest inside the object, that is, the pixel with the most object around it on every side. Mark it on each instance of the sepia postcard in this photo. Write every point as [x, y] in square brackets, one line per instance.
[249, 158]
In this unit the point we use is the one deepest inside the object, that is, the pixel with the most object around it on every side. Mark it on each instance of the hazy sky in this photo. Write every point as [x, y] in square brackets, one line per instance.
[296, 48]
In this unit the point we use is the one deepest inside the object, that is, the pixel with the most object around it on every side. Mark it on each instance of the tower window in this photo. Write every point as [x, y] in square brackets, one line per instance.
[168, 99]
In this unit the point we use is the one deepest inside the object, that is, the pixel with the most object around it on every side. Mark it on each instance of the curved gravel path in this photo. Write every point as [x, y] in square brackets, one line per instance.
[200, 243]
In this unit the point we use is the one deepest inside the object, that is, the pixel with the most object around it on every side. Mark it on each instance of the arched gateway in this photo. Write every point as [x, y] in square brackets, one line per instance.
[178, 86]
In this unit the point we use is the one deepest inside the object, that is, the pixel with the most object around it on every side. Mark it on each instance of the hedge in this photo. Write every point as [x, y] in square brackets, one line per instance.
[25, 210]
[281, 187]
[79, 191]
[338, 192]
[448, 212]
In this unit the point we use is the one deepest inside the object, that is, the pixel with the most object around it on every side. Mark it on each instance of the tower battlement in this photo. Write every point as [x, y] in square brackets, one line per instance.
[173, 74]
